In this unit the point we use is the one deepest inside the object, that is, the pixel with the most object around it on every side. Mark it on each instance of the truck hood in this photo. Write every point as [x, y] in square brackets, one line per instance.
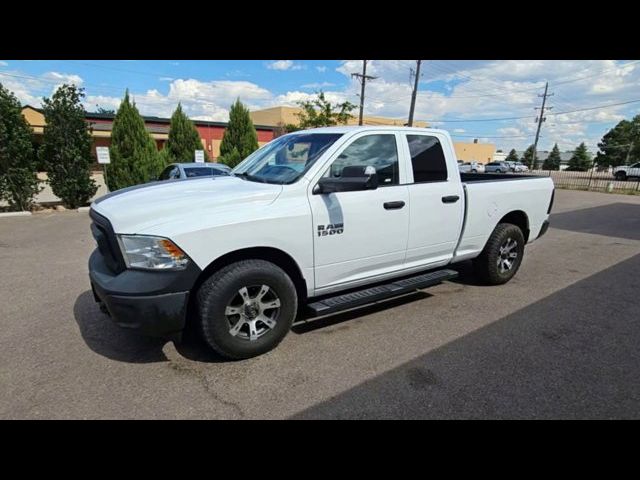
[136, 209]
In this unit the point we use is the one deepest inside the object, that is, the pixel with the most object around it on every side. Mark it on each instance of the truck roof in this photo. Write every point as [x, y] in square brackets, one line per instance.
[352, 128]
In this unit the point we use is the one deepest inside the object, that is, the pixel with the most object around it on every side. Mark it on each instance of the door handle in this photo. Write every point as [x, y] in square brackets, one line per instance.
[450, 199]
[393, 205]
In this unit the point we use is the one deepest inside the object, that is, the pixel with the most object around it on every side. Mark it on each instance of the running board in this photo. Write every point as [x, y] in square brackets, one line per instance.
[373, 294]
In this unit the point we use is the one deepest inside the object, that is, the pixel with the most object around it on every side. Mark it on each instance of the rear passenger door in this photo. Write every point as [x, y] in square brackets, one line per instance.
[436, 200]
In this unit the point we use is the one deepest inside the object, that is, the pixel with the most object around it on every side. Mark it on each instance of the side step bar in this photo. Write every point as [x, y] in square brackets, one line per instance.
[373, 294]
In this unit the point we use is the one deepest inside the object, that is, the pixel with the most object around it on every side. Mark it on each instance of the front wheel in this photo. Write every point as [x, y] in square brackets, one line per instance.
[621, 176]
[246, 308]
[502, 255]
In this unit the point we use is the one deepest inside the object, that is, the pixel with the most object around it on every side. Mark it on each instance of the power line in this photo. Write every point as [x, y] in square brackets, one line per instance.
[458, 120]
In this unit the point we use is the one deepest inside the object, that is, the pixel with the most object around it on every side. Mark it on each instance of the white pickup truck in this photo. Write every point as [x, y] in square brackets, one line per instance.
[315, 221]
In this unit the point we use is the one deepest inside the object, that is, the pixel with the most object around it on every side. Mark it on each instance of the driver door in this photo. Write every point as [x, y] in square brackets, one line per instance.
[363, 234]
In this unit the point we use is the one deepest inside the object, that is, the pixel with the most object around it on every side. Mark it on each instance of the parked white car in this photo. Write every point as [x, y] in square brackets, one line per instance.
[304, 219]
[520, 167]
[627, 171]
[471, 167]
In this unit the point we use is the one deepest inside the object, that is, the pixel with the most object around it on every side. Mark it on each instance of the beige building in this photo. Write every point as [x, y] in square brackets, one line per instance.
[287, 115]
[475, 152]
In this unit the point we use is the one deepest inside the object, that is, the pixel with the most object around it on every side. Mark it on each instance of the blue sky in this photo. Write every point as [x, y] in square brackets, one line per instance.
[464, 97]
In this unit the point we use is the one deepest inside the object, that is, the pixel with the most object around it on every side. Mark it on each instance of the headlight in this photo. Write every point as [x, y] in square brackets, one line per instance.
[152, 253]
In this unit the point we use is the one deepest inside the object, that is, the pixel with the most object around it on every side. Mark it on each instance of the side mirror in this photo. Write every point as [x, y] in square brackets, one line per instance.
[353, 179]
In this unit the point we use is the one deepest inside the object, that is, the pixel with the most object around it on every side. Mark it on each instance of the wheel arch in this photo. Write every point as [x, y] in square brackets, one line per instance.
[519, 219]
[269, 254]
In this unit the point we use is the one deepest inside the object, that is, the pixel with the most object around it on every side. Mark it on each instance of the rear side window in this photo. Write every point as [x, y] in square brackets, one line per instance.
[427, 159]
[202, 172]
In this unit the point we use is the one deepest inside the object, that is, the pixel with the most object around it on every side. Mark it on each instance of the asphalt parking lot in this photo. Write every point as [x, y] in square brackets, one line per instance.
[559, 341]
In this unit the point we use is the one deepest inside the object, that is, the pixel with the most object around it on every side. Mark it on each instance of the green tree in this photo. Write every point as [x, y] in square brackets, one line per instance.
[552, 162]
[580, 161]
[527, 157]
[620, 145]
[240, 138]
[66, 148]
[319, 112]
[18, 179]
[183, 139]
[134, 156]
[513, 156]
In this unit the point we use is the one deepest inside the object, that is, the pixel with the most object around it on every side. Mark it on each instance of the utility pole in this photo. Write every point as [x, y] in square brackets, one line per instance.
[540, 119]
[362, 78]
[413, 95]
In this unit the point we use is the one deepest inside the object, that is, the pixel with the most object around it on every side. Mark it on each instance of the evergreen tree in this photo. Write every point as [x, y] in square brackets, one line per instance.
[240, 138]
[66, 148]
[620, 145]
[513, 156]
[552, 162]
[18, 179]
[580, 160]
[527, 157]
[184, 139]
[134, 156]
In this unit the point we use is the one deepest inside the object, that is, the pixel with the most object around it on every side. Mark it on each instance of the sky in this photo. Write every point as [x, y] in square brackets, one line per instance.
[490, 100]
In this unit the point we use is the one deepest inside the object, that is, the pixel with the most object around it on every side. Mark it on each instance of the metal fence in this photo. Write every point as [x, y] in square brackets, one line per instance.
[591, 180]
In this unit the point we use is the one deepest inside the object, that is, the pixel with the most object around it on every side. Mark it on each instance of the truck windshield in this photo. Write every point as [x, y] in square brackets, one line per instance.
[285, 159]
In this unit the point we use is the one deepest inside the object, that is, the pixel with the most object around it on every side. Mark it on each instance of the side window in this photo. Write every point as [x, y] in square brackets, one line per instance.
[427, 159]
[167, 173]
[378, 151]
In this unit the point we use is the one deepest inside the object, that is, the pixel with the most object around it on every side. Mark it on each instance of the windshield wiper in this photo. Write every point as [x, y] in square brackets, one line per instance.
[247, 176]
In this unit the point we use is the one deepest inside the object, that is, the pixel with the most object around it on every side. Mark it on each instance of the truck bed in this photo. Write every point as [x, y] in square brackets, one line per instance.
[493, 177]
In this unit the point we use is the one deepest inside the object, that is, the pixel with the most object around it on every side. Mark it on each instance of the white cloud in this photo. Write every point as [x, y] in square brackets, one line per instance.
[459, 130]
[284, 65]
[166, 79]
[318, 85]
[509, 131]
[321, 68]
[3, 64]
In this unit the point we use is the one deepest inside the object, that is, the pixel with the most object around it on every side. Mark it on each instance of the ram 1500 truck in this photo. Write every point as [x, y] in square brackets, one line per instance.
[316, 221]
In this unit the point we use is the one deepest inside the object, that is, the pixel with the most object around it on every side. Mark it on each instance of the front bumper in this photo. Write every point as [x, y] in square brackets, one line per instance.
[153, 303]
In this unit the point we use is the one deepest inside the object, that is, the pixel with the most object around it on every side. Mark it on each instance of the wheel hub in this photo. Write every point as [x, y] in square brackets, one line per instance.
[252, 312]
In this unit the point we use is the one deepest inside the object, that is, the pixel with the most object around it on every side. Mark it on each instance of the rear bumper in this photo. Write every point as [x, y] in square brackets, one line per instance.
[153, 303]
[544, 228]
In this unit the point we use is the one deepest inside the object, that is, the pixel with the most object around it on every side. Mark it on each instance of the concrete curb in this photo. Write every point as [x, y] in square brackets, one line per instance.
[15, 214]
[84, 209]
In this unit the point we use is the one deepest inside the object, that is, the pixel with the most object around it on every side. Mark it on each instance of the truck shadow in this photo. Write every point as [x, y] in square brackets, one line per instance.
[111, 341]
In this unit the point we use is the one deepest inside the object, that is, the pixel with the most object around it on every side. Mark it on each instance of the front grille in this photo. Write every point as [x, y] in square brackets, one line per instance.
[105, 237]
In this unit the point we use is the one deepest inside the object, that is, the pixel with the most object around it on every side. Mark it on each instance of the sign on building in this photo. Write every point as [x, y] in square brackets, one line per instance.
[103, 154]
[199, 156]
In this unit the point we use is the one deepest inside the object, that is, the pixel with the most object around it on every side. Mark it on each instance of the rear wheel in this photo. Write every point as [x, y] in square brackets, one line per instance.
[502, 255]
[621, 176]
[246, 308]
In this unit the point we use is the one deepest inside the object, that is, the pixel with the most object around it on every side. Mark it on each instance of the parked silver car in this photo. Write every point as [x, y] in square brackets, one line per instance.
[189, 170]
[498, 167]
[471, 167]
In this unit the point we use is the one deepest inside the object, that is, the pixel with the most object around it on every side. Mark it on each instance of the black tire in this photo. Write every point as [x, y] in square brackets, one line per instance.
[216, 293]
[474, 171]
[486, 265]
[498, 171]
[622, 176]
